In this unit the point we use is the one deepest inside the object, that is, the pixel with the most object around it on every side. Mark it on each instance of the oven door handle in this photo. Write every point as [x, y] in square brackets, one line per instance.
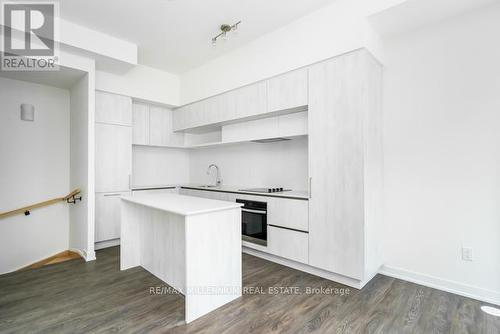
[254, 211]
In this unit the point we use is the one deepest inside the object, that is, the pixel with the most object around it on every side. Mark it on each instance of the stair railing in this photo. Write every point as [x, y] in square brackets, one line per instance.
[70, 198]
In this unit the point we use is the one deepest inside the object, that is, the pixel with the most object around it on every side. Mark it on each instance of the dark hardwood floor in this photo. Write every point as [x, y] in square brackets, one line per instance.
[96, 297]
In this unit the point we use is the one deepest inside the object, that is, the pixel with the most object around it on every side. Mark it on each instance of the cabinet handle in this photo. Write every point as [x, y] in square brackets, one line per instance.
[310, 187]
[129, 181]
[111, 195]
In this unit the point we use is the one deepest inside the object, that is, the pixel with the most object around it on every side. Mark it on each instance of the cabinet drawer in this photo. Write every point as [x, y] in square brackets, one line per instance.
[107, 215]
[289, 213]
[292, 245]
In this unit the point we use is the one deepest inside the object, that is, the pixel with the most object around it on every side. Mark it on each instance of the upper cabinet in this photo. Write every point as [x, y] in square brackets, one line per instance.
[152, 125]
[160, 126]
[258, 100]
[237, 104]
[287, 91]
[140, 121]
[113, 109]
[250, 100]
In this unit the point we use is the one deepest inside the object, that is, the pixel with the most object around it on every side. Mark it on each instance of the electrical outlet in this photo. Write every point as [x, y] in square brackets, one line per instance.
[466, 254]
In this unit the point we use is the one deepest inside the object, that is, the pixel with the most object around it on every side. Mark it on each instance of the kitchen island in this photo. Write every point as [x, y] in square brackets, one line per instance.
[193, 244]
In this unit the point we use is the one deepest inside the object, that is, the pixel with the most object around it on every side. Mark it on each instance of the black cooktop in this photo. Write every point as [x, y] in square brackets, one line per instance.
[265, 190]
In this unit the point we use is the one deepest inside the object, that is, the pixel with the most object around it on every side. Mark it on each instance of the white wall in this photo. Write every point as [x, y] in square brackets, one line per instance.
[325, 33]
[157, 166]
[254, 165]
[442, 154]
[34, 167]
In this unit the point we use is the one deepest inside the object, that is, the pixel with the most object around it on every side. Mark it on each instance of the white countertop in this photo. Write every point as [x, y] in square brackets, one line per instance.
[180, 204]
[238, 189]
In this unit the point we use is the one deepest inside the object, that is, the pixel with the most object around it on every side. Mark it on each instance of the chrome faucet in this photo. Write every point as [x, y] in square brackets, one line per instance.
[218, 180]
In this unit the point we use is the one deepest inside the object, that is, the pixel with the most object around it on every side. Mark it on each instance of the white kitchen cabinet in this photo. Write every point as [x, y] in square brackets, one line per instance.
[292, 245]
[289, 125]
[113, 109]
[140, 124]
[294, 124]
[240, 103]
[345, 164]
[113, 157]
[288, 91]
[250, 100]
[288, 213]
[160, 126]
[251, 130]
[107, 215]
[190, 116]
[153, 126]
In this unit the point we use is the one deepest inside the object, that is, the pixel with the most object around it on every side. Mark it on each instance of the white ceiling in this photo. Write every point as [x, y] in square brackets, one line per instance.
[175, 35]
[414, 14]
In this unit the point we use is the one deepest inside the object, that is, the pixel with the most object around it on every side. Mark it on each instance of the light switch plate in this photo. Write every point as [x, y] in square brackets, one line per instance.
[466, 254]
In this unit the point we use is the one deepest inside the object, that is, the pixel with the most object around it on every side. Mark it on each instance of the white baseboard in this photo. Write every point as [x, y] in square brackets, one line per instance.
[87, 256]
[484, 295]
[107, 243]
[90, 256]
[353, 283]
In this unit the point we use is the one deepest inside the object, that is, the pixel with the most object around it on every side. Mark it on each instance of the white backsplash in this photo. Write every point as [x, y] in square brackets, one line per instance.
[254, 165]
[155, 166]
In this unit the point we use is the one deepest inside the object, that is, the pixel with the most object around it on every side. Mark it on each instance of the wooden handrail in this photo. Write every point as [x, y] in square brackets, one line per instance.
[26, 210]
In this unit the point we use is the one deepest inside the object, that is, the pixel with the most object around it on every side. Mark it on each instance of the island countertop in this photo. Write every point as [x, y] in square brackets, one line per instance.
[180, 204]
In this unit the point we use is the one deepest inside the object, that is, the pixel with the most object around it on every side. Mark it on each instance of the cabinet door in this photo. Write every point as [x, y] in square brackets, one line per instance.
[287, 91]
[113, 157]
[293, 124]
[107, 215]
[219, 108]
[113, 109]
[161, 128]
[140, 121]
[189, 116]
[250, 100]
[336, 221]
[179, 117]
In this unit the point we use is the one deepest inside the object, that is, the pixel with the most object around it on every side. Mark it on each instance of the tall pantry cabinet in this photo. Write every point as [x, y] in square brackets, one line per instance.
[345, 165]
[113, 162]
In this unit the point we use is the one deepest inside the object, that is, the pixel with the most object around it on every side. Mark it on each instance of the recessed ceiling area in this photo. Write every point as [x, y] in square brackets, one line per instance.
[64, 78]
[175, 35]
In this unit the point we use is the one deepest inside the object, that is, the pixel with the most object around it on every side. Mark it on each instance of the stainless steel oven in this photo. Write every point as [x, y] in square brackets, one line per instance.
[254, 221]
